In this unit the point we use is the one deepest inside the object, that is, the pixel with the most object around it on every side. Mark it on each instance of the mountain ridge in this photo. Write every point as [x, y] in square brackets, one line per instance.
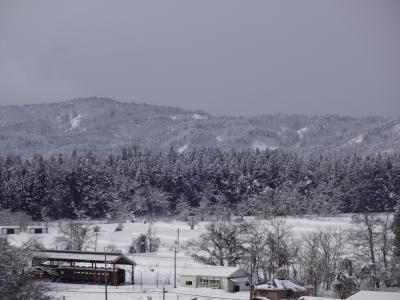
[105, 125]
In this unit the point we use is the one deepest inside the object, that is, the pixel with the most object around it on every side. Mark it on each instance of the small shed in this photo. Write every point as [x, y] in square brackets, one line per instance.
[230, 279]
[10, 229]
[281, 288]
[37, 229]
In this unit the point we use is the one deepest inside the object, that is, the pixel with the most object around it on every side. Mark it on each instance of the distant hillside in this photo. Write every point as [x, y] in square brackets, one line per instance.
[105, 125]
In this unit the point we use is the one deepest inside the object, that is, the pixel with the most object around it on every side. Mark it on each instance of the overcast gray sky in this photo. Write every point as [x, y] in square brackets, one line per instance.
[225, 57]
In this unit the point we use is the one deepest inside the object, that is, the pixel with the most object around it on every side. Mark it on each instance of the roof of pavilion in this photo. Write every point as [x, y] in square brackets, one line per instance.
[84, 257]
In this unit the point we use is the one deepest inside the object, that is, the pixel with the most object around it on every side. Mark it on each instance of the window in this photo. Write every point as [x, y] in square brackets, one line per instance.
[210, 283]
[188, 283]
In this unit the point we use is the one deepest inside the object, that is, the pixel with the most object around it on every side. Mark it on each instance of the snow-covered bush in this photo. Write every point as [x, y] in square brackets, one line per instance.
[119, 227]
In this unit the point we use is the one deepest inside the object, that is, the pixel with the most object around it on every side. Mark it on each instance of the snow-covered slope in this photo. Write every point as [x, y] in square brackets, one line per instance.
[106, 125]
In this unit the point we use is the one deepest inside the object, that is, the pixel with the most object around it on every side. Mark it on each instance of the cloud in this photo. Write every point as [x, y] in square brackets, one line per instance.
[224, 57]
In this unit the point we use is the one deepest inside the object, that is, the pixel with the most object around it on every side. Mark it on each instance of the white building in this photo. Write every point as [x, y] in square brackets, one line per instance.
[230, 279]
[10, 229]
[37, 229]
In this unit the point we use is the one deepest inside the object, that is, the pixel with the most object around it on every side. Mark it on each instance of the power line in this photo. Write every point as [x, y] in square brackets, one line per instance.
[166, 257]
[96, 292]
[189, 294]
[194, 267]
[144, 292]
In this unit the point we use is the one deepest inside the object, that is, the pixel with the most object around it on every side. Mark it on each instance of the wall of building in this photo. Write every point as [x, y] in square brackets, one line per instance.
[215, 282]
[185, 279]
[4, 230]
[33, 230]
[242, 286]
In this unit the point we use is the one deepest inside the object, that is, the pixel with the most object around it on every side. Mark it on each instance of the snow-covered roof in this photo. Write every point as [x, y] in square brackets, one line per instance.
[14, 227]
[266, 286]
[240, 279]
[36, 226]
[372, 295]
[216, 271]
[281, 284]
[83, 256]
[317, 298]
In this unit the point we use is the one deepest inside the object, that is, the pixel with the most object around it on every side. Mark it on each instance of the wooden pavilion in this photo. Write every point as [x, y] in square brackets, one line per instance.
[84, 266]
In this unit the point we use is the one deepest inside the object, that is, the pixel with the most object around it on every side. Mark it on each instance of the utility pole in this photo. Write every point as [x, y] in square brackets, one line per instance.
[95, 243]
[177, 240]
[157, 280]
[175, 268]
[105, 273]
[251, 273]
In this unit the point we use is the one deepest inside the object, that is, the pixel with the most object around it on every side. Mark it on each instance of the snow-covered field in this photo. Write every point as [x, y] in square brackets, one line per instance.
[155, 270]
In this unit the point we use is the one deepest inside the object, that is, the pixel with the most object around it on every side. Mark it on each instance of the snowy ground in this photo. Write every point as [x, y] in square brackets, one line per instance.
[77, 292]
[155, 270]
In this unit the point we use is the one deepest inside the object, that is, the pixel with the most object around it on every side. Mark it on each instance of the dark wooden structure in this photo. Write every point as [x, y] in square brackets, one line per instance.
[81, 266]
[91, 275]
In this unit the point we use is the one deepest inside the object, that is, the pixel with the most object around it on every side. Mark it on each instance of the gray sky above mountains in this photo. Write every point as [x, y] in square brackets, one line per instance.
[226, 57]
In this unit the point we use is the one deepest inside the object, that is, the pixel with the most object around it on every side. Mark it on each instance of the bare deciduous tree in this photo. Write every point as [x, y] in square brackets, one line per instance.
[373, 239]
[365, 236]
[320, 256]
[192, 221]
[311, 260]
[152, 240]
[75, 236]
[256, 250]
[332, 243]
[222, 243]
[148, 242]
[280, 248]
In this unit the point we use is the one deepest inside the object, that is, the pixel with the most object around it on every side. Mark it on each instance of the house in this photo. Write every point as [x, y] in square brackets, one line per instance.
[374, 295]
[281, 288]
[10, 229]
[37, 229]
[230, 279]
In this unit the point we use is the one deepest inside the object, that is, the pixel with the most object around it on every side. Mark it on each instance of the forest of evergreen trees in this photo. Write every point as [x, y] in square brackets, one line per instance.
[201, 182]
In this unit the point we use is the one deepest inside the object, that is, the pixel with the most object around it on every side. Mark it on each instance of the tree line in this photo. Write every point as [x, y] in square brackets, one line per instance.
[200, 182]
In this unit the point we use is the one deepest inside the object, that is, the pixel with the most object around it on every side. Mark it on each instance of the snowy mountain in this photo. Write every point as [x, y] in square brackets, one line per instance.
[105, 125]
